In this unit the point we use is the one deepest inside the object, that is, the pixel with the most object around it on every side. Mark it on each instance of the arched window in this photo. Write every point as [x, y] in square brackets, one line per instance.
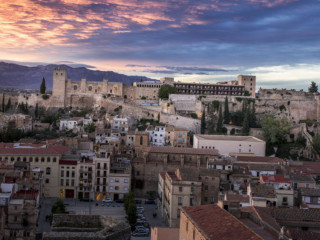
[141, 140]
[12, 159]
[30, 159]
[54, 159]
[48, 159]
[18, 159]
[42, 159]
[37, 159]
[48, 171]
[24, 159]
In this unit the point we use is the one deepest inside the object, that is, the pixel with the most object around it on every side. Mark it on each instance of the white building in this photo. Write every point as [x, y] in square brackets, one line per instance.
[74, 123]
[231, 145]
[157, 135]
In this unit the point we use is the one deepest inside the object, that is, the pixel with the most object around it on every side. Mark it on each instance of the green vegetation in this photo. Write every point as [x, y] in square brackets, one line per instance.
[274, 130]
[313, 87]
[215, 105]
[194, 115]
[23, 108]
[8, 106]
[58, 207]
[316, 144]
[144, 122]
[282, 107]
[43, 86]
[36, 111]
[117, 109]
[226, 111]
[166, 90]
[308, 122]
[45, 96]
[3, 107]
[220, 121]
[143, 98]
[245, 123]
[246, 93]
[203, 122]
[130, 208]
[89, 128]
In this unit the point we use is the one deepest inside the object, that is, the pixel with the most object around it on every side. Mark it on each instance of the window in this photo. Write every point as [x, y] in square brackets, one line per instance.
[126, 180]
[138, 173]
[307, 185]
[178, 213]
[192, 189]
[15, 218]
[47, 180]
[111, 180]
[67, 174]
[141, 140]
[48, 159]
[67, 182]
[24, 159]
[72, 174]
[30, 159]
[111, 188]
[42, 159]
[117, 180]
[116, 188]
[61, 182]
[180, 189]
[90, 88]
[212, 188]
[54, 159]
[75, 87]
[48, 171]
[72, 182]
[191, 202]
[179, 201]
[125, 188]
[37, 159]
[206, 187]
[62, 173]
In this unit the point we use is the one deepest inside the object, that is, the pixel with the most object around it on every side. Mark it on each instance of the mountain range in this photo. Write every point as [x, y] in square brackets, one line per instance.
[23, 77]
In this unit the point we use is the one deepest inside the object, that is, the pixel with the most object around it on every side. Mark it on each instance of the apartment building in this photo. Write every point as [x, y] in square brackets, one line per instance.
[176, 137]
[119, 180]
[157, 135]
[187, 187]
[44, 157]
[150, 161]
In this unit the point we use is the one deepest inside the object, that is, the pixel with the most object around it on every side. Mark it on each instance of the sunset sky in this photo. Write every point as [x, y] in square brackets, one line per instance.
[191, 40]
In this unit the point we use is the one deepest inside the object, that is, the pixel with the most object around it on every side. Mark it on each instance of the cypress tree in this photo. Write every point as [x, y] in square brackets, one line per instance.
[43, 86]
[226, 111]
[8, 106]
[2, 109]
[203, 122]
[253, 119]
[26, 111]
[245, 124]
[36, 111]
[220, 121]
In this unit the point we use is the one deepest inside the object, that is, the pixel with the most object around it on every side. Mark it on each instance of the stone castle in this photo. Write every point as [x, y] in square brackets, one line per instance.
[65, 91]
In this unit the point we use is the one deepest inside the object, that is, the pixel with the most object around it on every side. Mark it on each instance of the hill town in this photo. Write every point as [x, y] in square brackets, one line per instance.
[159, 159]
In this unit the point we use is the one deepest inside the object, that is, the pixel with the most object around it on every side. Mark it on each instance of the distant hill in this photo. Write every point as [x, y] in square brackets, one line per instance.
[22, 77]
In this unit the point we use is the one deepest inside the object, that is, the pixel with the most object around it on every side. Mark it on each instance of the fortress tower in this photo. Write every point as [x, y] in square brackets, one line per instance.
[59, 85]
[249, 83]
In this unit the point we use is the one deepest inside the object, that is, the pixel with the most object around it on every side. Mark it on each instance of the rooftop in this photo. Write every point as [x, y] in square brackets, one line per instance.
[31, 149]
[237, 197]
[300, 177]
[228, 138]
[177, 150]
[250, 159]
[274, 179]
[216, 223]
[312, 192]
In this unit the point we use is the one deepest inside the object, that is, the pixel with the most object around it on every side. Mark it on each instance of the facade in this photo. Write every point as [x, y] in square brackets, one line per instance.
[65, 91]
[186, 187]
[277, 181]
[150, 161]
[176, 137]
[230, 145]
[157, 135]
[211, 222]
[119, 180]
[309, 197]
[44, 157]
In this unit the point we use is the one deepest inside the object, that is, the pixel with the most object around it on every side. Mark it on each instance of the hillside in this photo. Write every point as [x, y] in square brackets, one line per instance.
[22, 77]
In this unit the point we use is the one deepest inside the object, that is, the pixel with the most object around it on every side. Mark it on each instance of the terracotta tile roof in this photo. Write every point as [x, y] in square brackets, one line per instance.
[303, 235]
[216, 223]
[259, 159]
[297, 177]
[274, 179]
[261, 167]
[305, 167]
[137, 159]
[178, 150]
[237, 197]
[261, 190]
[312, 192]
[295, 214]
[26, 195]
[33, 150]
[265, 214]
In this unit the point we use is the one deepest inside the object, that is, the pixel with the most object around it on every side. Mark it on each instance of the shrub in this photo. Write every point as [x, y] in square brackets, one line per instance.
[282, 107]
[143, 98]
[194, 115]
[45, 96]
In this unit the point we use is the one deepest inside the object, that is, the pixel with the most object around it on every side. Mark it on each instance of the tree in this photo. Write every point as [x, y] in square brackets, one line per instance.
[220, 121]
[203, 122]
[316, 144]
[43, 86]
[165, 90]
[226, 111]
[8, 106]
[313, 87]
[89, 128]
[132, 213]
[36, 111]
[212, 119]
[245, 124]
[252, 117]
[2, 109]
[274, 130]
